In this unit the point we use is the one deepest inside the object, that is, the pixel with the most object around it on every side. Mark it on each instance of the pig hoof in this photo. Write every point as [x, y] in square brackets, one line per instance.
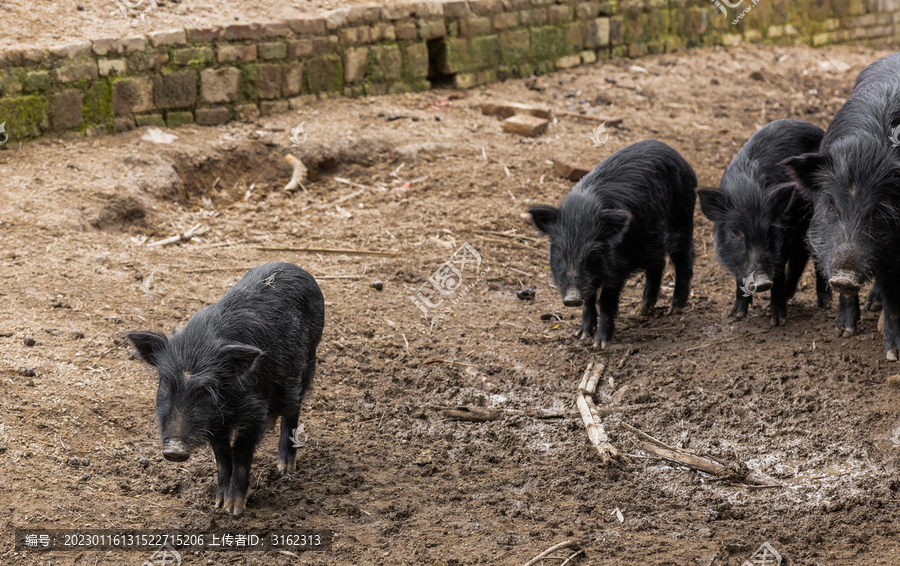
[239, 505]
[675, 310]
[601, 344]
[873, 306]
[287, 467]
[845, 332]
[779, 320]
[642, 311]
[228, 504]
[220, 501]
[891, 355]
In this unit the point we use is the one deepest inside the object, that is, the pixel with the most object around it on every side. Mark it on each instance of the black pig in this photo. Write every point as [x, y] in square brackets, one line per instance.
[624, 216]
[237, 364]
[854, 180]
[760, 219]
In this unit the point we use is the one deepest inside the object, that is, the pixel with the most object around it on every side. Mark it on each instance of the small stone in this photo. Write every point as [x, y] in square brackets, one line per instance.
[602, 99]
[570, 95]
[463, 333]
[29, 341]
[73, 461]
[525, 294]
[76, 334]
[714, 81]
[525, 125]
[377, 285]
[415, 118]
[437, 118]
[29, 372]
[80, 8]
[394, 117]
[85, 462]
[757, 76]
[143, 462]
[85, 477]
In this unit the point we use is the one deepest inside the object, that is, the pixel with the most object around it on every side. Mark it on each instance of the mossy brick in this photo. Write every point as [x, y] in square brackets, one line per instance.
[107, 67]
[269, 107]
[616, 30]
[453, 29]
[175, 90]
[37, 81]
[25, 116]
[246, 112]
[143, 61]
[276, 30]
[98, 102]
[355, 65]
[547, 43]
[76, 72]
[238, 32]
[271, 51]
[323, 74]
[220, 85]
[66, 110]
[534, 17]
[597, 33]
[300, 48]
[293, 79]
[575, 36]
[134, 44]
[486, 51]
[131, 96]
[204, 35]
[249, 82]
[398, 88]
[150, 120]
[473, 26]
[383, 63]
[505, 20]
[269, 80]
[123, 124]
[230, 53]
[405, 31]
[107, 46]
[588, 57]
[325, 45]
[559, 14]
[587, 10]
[175, 119]
[453, 56]
[12, 83]
[212, 116]
[465, 80]
[71, 51]
[515, 45]
[431, 29]
[193, 56]
[307, 25]
[416, 59]
[485, 7]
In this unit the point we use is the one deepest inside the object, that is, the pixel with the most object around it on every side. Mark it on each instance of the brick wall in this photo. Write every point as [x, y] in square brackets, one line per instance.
[239, 72]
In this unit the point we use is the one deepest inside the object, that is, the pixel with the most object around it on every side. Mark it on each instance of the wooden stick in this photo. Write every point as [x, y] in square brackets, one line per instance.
[689, 460]
[571, 558]
[550, 550]
[298, 176]
[430, 362]
[472, 410]
[659, 443]
[592, 420]
[343, 199]
[609, 121]
[330, 251]
[728, 339]
[477, 414]
[194, 230]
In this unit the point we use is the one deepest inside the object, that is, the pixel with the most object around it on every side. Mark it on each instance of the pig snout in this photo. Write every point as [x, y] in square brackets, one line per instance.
[175, 451]
[572, 299]
[845, 282]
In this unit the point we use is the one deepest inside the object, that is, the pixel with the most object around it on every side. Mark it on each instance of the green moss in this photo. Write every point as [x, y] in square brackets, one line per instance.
[97, 106]
[249, 81]
[547, 43]
[150, 120]
[175, 119]
[25, 116]
[324, 74]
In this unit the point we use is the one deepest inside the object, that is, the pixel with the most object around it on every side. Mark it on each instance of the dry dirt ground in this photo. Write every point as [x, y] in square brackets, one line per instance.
[56, 22]
[397, 481]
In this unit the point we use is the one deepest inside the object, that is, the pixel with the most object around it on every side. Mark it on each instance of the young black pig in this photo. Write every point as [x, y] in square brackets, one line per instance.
[624, 216]
[237, 364]
[854, 179]
[760, 219]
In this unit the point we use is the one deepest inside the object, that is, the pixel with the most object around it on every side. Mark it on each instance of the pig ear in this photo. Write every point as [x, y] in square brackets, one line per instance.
[713, 203]
[781, 197]
[242, 357]
[804, 168]
[613, 225]
[149, 345]
[544, 216]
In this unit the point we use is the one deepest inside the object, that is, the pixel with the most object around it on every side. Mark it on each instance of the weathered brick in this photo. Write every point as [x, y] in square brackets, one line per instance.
[308, 26]
[205, 35]
[76, 71]
[123, 124]
[474, 25]
[597, 33]
[132, 95]
[384, 63]
[192, 56]
[324, 45]
[336, 19]
[465, 80]
[429, 9]
[175, 119]
[246, 112]
[150, 120]
[534, 17]
[559, 14]
[37, 81]
[324, 74]
[175, 90]
[300, 48]
[568, 62]
[220, 85]
[417, 60]
[507, 109]
[242, 31]
[301, 101]
[107, 46]
[71, 51]
[357, 15]
[293, 79]
[515, 45]
[355, 64]
[66, 109]
[505, 20]
[485, 7]
[269, 51]
[269, 81]
[588, 57]
[405, 31]
[269, 107]
[243, 53]
[431, 29]
[276, 29]
[587, 10]
[383, 32]
[109, 67]
[166, 38]
[134, 44]
[212, 116]
[147, 61]
[456, 9]
[394, 12]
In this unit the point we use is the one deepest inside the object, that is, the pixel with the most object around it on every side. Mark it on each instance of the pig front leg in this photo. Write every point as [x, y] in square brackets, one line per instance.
[609, 307]
[741, 303]
[588, 318]
[222, 451]
[778, 300]
[242, 449]
[873, 300]
[890, 303]
[848, 316]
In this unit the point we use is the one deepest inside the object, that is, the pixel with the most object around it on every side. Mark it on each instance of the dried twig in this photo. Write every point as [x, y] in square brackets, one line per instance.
[689, 460]
[728, 339]
[659, 443]
[550, 550]
[330, 251]
[572, 557]
[591, 417]
[299, 174]
[477, 414]
[194, 230]
[609, 121]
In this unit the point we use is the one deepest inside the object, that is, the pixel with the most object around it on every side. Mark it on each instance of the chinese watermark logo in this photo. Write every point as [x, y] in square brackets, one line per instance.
[165, 556]
[719, 5]
[595, 136]
[295, 436]
[3, 131]
[895, 142]
[749, 285]
[765, 555]
[295, 135]
[895, 437]
[447, 282]
[123, 5]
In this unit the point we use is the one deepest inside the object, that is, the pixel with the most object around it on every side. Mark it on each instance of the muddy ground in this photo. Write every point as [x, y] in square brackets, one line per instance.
[397, 481]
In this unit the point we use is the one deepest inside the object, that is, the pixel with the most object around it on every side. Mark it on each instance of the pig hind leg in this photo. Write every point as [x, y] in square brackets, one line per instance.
[848, 316]
[823, 290]
[683, 259]
[778, 300]
[873, 300]
[652, 284]
[796, 263]
[890, 300]
[609, 307]
[287, 452]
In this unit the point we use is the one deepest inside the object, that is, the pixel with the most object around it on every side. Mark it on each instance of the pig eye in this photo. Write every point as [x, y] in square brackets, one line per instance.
[737, 234]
